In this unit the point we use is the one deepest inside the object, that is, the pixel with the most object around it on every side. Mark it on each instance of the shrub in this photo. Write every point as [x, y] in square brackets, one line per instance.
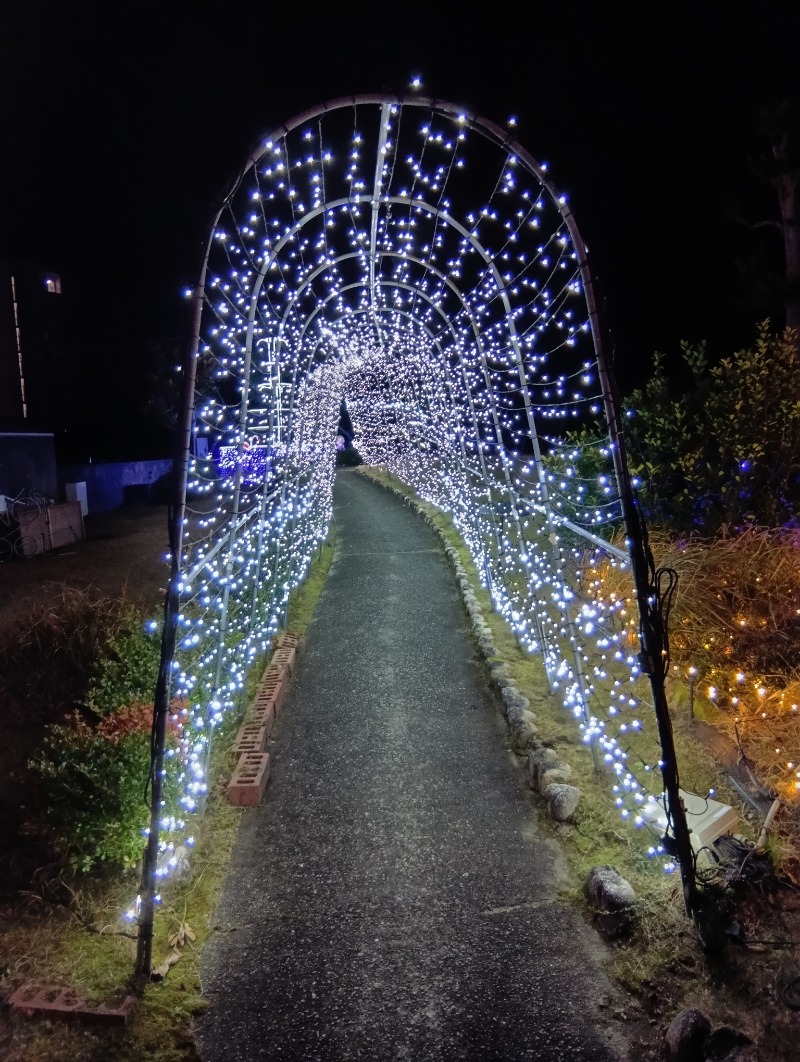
[723, 452]
[87, 773]
[94, 786]
[126, 672]
[47, 658]
[718, 454]
[95, 811]
[736, 623]
[348, 458]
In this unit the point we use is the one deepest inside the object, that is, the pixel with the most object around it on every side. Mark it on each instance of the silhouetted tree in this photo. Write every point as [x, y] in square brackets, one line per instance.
[778, 164]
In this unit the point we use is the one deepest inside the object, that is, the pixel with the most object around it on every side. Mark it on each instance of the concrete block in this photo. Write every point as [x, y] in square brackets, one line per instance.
[64, 1004]
[276, 672]
[249, 780]
[285, 657]
[250, 738]
[287, 639]
[263, 716]
[269, 692]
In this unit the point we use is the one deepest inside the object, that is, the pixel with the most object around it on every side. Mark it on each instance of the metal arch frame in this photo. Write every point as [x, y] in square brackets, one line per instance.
[414, 203]
[652, 634]
[476, 329]
[373, 311]
[383, 136]
[488, 258]
[514, 501]
[508, 143]
[471, 405]
[466, 309]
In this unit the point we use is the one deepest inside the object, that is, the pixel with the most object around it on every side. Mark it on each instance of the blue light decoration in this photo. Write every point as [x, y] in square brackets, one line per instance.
[411, 259]
[255, 463]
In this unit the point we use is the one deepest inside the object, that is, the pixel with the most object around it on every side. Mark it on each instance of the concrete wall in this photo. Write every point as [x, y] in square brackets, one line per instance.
[118, 483]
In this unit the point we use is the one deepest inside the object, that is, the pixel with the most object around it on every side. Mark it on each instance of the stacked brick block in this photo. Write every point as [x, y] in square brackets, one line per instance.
[249, 780]
[63, 1004]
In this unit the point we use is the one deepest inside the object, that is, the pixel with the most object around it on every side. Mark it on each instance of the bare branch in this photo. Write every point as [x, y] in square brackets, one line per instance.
[766, 224]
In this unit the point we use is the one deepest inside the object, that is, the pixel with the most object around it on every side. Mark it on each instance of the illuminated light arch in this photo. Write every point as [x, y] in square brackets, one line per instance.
[431, 276]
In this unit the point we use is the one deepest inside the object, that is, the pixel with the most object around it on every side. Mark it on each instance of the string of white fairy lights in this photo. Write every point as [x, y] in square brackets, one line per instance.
[410, 260]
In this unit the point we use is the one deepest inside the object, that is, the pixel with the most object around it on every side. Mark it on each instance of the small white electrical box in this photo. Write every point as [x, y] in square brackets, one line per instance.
[707, 819]
[76, 492]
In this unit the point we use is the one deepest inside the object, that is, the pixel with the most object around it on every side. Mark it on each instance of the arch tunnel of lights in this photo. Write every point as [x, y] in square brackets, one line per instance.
[412, 261]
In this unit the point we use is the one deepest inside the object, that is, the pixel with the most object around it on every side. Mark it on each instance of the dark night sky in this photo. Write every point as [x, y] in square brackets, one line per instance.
[120, 125]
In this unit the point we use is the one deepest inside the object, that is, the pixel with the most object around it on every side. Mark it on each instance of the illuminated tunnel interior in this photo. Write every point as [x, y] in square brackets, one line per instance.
[414, 261]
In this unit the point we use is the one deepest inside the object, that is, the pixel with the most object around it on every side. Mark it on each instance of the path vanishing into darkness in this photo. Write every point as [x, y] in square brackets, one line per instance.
[395, 895]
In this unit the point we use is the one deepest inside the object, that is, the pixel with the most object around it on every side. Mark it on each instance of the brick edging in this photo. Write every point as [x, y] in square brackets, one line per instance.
[251, 774]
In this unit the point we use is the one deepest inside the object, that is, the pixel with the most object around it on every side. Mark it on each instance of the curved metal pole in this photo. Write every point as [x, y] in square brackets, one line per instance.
[383, 136]
[652, 633]
[651, 630]
[180, 467]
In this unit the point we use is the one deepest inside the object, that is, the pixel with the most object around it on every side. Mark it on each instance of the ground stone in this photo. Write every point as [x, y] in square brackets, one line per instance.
[513, 700]
[562, 801]
[523, 735]
[539, 761]
[559, 774]
[686, 1036]
[183, 864]
[515, 712]
[612, 898]
[500, 673]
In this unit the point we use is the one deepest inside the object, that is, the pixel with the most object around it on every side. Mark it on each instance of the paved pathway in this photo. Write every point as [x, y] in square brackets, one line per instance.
[394, 897]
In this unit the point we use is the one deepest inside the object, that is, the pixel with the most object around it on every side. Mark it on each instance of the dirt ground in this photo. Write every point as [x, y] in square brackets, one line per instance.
[124, 554]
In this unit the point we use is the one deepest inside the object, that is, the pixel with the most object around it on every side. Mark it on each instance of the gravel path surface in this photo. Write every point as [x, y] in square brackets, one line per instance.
[394, 897]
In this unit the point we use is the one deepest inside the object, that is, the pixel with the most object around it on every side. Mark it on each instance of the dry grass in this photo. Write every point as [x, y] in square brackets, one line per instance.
[738, 600]
[123, 556]
[735, 636]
